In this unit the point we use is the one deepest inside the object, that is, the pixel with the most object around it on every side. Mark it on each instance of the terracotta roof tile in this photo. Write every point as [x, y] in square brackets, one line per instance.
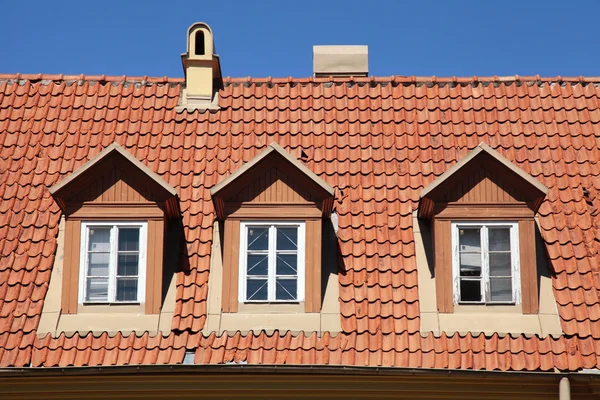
[378, 141]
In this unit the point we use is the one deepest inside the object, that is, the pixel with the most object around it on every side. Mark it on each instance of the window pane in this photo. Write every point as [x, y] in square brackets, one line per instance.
[96, 289]
[470, 264]
[500, 264]
[499, 239]
[99, 239]
[287, 264]
[256, 289]
[127, 289]
[129, 239]
[98, 264]
[258, 238]
[500, 289]
[469, 239]
[286, 289]
[470, 290]
[287, 238]
[258, 264]
[127, 264]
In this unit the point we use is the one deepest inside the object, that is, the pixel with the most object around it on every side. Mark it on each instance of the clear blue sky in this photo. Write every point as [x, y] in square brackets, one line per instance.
[275, 38]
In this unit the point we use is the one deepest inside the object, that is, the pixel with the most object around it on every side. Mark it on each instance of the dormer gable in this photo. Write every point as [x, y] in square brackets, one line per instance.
[113, 177]
[483, 178]
[276, 178]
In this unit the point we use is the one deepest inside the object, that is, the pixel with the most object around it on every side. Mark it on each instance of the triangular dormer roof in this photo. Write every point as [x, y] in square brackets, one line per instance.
[64, 190]
[318, 188]
[531, 190]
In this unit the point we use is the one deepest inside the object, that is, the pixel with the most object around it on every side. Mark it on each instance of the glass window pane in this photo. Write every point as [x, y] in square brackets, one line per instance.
[96, 289]
[470, 264]
[470, 290]
[500, 289]
[258, 264]
[129, 239]
[127, 264]
[469, 239]
[127, 289]
[258, 238]
[499, 239]
[287, 238]
[286, 289]
[99, 239]
[98, 264]
[500, 264]
[256, 289]
[287, 264]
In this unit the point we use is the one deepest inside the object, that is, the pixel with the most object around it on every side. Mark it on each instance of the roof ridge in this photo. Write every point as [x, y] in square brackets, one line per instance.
[101, 78]
[370, 79]
[415, 79]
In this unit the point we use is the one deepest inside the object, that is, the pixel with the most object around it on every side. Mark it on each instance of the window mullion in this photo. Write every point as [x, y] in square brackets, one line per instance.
[112, 266]
[485, 267]
[272, 261]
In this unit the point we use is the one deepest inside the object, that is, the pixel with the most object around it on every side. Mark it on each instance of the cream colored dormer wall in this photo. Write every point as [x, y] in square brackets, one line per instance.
[480, 318]
[270, 317]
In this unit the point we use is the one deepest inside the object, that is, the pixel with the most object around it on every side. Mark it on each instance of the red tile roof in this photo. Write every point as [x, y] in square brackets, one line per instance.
[378, 141]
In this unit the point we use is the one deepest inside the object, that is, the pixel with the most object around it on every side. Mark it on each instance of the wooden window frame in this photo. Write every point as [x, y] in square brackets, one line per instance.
[271, 254]
[156, 225]
[83, 264]
[312, 261]
[515, 261]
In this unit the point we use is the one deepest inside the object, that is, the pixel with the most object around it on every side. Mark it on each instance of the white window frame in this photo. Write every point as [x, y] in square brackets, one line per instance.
[515, 260]
[112, 268]
[272, 262]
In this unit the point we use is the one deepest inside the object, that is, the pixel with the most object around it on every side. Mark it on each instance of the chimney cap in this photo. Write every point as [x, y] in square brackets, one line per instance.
[340, 61]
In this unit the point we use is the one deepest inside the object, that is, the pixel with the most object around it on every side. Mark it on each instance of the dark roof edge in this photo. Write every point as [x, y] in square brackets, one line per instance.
[274, 368]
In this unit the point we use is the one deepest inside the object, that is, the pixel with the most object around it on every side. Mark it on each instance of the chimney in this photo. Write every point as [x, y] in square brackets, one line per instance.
[340, 61]
[202, 70]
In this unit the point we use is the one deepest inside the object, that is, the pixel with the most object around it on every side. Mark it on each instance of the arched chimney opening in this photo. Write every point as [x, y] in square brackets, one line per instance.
[199, 48]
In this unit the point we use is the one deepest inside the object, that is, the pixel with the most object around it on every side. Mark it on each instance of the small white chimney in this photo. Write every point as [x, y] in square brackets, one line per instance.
[340, 61]
[202, 69]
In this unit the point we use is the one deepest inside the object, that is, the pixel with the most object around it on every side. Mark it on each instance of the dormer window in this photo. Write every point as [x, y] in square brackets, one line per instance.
[272, 208]
[485, 264]
[482, 212]
[116, 211]
[113, 262]
[272, 262]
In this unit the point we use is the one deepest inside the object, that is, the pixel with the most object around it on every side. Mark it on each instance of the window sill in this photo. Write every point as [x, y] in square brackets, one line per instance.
[114, 308]
[488, 308]
[270, 308]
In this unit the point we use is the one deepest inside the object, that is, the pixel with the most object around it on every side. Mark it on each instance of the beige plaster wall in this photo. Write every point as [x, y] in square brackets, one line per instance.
[270, 317]
[99, 318]
[475, 319]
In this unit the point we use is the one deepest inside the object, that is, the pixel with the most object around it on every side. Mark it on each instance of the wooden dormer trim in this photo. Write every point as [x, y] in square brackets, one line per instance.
[531, 190]
[322, 192]
[63, 190]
